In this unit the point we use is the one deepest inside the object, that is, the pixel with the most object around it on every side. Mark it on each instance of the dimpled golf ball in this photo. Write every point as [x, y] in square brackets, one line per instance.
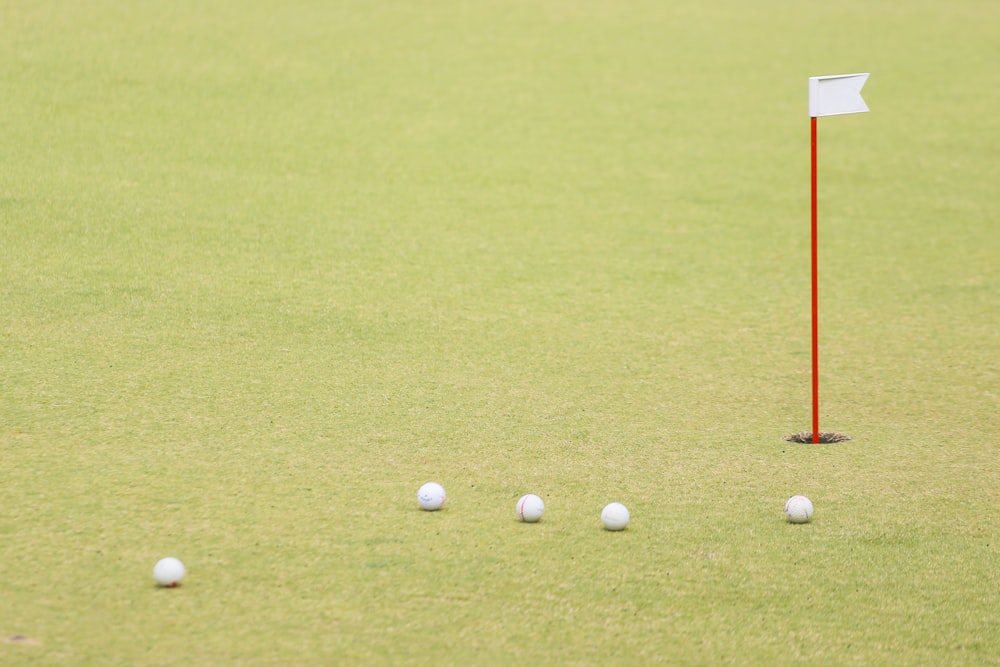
[168, 572]
[614, 516]
[799, 509]
[431, 496]
[530, 508]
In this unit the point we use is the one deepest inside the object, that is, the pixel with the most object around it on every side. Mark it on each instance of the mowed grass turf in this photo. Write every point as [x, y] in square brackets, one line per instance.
[268, 267]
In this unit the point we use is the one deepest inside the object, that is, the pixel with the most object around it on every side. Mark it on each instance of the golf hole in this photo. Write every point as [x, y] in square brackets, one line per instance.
[824, 438]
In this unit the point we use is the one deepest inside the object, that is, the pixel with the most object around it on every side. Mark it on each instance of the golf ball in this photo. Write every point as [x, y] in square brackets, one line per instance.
[530, 508]
[168, 572]
[431, 496]
[799, 509]
[614, 516]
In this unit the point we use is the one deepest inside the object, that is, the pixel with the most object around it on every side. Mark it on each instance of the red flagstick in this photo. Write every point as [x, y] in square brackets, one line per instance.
[828, 96]
[815, 293]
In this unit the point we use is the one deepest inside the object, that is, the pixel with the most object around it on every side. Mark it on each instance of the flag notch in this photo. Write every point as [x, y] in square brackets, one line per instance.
[836, 95]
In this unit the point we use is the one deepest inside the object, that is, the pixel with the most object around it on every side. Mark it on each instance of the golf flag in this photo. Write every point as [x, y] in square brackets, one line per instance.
[828, 96]
[836, 95]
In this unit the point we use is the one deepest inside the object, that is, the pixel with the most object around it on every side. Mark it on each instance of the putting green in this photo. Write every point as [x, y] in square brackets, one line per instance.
[266, 268]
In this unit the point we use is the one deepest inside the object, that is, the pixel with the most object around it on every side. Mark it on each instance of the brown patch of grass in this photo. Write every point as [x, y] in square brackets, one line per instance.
[21, 639]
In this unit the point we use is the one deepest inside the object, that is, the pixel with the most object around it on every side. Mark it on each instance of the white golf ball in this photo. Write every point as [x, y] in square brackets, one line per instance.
[530, 508]
[431, 496]
[799, 509]
[168, 572]
[614, 516]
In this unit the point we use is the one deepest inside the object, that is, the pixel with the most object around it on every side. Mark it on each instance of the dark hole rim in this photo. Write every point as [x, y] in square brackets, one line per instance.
[828, 438]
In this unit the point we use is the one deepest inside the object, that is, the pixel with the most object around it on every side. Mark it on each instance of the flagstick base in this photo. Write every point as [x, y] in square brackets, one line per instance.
[824, 438]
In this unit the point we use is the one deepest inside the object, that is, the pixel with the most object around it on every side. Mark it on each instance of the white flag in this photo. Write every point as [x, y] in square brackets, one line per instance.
[835, 95]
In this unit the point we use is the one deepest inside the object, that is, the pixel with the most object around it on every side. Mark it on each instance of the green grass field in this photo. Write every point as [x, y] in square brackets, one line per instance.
[266, 268]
